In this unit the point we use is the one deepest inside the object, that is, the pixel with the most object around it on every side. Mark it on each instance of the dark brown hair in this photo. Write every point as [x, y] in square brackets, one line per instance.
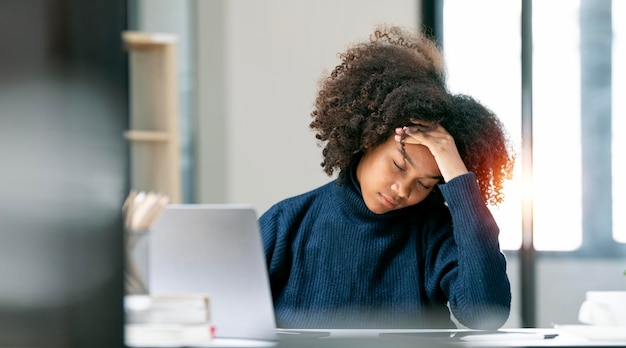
[381, 84]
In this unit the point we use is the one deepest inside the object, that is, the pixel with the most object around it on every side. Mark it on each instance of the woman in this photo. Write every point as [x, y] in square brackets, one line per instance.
[403, 235]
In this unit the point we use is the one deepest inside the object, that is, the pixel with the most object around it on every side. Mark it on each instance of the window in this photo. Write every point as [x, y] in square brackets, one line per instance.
[577, 196]
[485, 63]
[557, 209]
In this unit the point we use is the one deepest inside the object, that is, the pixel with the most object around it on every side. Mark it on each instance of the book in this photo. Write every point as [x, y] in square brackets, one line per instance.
[167, 320]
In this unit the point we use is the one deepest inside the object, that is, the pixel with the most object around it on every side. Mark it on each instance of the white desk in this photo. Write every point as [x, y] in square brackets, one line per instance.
[395, 338]
[553, 337]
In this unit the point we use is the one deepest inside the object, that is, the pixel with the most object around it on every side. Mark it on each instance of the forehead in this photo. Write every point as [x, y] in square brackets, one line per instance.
[418, 154]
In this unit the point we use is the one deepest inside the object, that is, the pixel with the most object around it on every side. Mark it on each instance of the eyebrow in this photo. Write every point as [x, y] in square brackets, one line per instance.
[412, 163]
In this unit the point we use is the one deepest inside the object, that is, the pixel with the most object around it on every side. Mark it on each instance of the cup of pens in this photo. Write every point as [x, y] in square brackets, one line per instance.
[140, 210]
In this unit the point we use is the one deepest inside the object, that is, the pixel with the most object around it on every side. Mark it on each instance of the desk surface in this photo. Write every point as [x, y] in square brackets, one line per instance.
[570, 336]
[553, 337]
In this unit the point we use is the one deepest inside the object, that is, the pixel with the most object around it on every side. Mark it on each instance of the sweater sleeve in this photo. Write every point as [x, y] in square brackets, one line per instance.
[268, 223]
[477, 287]
[273, 231]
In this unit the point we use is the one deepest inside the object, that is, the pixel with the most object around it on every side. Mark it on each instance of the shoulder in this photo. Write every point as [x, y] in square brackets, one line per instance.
[290, 209]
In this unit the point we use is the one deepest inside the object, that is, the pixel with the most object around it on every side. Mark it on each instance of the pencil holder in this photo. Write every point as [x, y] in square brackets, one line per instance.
[137, 263]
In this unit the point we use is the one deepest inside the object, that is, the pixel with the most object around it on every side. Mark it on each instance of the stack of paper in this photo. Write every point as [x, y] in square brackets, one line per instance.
[167, 320]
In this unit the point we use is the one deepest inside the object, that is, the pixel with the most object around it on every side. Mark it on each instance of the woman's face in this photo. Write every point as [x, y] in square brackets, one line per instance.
[393, 177]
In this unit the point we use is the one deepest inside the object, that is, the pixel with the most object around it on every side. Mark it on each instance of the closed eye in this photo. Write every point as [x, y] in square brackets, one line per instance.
[402, 169]
[423, 185]
[429, 185]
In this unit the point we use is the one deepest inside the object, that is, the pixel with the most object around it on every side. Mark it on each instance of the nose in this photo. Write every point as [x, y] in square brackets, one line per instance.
[402, 189]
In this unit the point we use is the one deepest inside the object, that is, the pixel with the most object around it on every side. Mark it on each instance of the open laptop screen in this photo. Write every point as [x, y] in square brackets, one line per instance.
[215, 249]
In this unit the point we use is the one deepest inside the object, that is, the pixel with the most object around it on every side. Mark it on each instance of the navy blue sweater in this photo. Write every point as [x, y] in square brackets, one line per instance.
[335, 264]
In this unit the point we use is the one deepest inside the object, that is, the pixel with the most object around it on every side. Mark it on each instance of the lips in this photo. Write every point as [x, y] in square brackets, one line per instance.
[388, 201]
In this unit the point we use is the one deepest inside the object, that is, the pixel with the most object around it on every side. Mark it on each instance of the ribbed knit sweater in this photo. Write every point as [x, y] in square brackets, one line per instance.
[333, 263]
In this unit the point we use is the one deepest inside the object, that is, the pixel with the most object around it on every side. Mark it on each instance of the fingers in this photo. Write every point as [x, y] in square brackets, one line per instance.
[420, 134]
[401, 135]
[421, 127]
[440, 143]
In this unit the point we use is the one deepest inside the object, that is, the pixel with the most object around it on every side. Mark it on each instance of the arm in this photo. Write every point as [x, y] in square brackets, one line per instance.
[276, 251]
[473, 269]
[477, 286]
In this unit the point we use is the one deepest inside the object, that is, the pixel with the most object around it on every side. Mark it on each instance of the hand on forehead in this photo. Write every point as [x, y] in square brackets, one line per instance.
[418, 126]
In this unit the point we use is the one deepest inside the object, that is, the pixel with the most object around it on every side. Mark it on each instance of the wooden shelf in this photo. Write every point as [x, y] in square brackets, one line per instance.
[154, 110]
[147, 136]
[134, 39]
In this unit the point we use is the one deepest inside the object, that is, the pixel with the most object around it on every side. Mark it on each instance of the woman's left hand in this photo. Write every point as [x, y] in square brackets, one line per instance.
[441, 146]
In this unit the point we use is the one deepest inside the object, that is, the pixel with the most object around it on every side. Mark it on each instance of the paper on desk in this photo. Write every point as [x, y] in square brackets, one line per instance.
[168, 320]
[478, 336]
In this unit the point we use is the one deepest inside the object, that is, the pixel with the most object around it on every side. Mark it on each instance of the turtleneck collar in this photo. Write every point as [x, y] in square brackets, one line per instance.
[350, 201]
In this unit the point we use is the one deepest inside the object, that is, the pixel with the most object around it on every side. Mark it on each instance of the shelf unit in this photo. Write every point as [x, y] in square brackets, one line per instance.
[154, 113]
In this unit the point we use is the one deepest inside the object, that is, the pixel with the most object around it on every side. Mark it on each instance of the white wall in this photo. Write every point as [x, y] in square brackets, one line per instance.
[254, 68]
[258, 67]
[255, 145]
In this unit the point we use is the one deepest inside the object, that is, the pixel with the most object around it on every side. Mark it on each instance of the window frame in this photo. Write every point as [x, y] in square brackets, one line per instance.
[596, 157]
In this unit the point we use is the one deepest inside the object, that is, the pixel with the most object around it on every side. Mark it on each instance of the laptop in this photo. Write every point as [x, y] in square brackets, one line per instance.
[215, 249]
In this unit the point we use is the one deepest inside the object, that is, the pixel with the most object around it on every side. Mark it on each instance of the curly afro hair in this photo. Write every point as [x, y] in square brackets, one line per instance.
[381, 84]
[483, 144]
